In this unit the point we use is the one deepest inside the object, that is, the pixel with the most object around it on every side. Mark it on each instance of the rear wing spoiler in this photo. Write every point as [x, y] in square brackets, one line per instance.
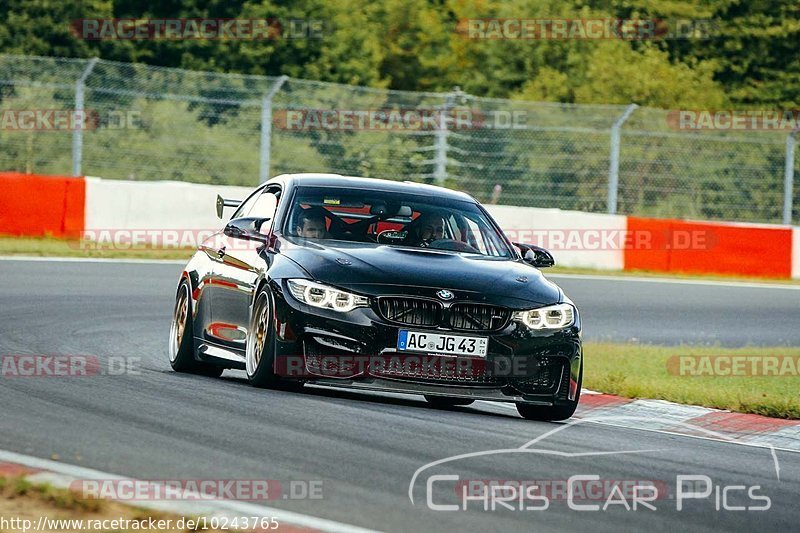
[222, 203]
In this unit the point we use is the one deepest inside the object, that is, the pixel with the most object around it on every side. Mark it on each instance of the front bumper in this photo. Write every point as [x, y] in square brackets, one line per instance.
[358, 350]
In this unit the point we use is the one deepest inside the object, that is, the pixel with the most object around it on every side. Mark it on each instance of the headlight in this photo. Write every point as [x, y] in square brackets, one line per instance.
[557, 316]
[318, 295]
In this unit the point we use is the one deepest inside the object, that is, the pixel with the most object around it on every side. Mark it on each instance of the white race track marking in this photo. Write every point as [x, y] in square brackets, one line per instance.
[66, 474]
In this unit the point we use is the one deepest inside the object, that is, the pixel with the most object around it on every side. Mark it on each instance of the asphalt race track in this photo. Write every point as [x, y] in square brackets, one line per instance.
[685, 311]
[365, 448]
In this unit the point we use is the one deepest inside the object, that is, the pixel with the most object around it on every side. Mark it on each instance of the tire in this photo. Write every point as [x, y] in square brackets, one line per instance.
[181, 338]
[444, 401]
[260, 348]
[552, 413]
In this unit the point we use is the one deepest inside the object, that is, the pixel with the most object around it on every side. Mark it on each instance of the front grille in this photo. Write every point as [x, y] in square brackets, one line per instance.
[435, 369]
[476, 317]
[410, 311]
[430, 313]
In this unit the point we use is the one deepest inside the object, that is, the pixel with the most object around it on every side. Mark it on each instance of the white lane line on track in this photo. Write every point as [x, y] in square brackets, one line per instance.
[66, 474]
[680, 281]
[33, 258]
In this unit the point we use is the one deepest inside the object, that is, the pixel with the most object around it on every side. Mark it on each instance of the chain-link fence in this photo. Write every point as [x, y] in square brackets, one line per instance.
[131, 121]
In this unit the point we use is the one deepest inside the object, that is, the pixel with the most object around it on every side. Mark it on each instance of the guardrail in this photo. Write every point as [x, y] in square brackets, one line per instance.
[181, 213]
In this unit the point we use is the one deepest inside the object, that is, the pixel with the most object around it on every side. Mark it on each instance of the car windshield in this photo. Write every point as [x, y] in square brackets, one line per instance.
[393, 219]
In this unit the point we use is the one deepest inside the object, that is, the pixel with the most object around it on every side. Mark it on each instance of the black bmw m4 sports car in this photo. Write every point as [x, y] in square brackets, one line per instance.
[378, 285]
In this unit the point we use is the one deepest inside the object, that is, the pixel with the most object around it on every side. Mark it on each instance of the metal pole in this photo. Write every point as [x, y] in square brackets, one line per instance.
[77, 134]
[788, 178]
[266, 128]
[613, 169]
[440, 159]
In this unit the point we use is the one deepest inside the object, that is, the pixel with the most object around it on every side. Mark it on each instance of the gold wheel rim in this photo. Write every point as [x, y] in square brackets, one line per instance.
[261, 332]
[181, 316]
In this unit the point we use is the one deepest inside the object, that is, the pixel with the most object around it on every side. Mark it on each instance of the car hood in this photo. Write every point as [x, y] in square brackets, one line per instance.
[379, 269]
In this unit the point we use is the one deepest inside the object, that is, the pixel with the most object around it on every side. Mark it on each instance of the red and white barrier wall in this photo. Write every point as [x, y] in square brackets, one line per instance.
[726, 248]
[116, 204]
[576, 239]
[796, 252]
[41, 205]
[58, 206]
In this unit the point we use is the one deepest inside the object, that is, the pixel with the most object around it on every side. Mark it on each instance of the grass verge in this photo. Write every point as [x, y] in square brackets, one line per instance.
[51, 247]
[22, 500]
[656, 372]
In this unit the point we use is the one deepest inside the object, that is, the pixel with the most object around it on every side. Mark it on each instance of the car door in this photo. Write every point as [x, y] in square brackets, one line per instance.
[238, 264]
[213, 249]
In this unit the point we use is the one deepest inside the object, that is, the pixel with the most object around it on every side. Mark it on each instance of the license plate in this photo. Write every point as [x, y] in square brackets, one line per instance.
[427, 342]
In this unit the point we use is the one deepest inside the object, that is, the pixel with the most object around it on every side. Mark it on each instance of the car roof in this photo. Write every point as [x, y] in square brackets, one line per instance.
[355, 182]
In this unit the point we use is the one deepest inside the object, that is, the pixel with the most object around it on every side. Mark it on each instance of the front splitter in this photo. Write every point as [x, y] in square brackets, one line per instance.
[413, 387]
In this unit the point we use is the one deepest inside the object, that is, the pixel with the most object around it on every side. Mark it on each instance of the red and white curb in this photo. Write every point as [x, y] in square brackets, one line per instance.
[690, 420]
[660, 415]
[64, 476]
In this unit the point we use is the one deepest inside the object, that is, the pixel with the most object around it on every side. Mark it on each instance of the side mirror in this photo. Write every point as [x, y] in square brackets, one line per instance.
[222, 203]
[247, 228]
[536, 255]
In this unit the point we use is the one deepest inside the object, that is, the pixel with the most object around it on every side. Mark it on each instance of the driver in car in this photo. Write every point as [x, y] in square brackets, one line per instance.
[310, 224]
[427, 228]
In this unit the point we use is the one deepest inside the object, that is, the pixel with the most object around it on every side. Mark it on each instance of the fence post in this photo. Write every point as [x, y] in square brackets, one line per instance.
[77, 134]
[440, 155]
[266, 128]
[613, 168]
[788, 178]
[440, 158]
